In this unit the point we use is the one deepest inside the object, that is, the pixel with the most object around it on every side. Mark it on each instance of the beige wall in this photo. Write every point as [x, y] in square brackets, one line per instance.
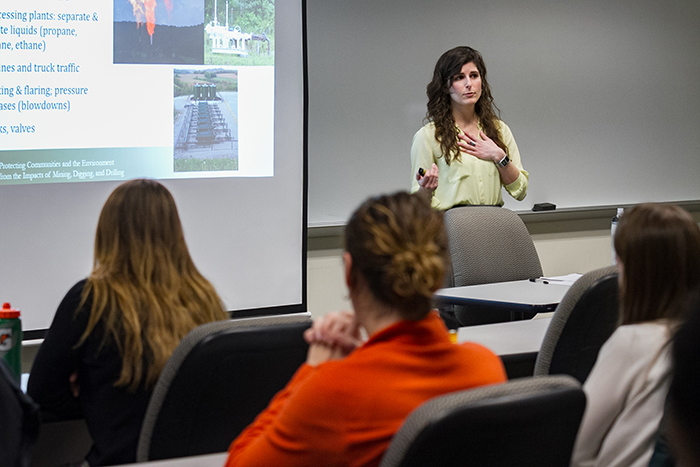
[560, 253]
[572, 242]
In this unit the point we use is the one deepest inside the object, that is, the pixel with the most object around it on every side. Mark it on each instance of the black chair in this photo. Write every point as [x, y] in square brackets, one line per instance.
[19, 419]
[583, 321]
[528, 422]
[487, 244]
[220, 377]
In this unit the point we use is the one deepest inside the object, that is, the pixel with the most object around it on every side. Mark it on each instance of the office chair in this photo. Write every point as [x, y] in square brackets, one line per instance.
[220, 377]
[527, 422]
[487, 244]
[19, 419]
[582, 322]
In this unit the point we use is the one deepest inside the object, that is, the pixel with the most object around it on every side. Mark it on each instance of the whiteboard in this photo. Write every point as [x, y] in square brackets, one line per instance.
[603, 97]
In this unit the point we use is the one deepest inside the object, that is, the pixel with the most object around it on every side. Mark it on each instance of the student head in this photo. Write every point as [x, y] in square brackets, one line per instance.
[659, 254]
[144, 286]
[683, 400]
[139, 232]
[397, 248]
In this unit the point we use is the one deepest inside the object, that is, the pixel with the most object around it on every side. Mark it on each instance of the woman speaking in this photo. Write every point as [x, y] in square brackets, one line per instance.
[464, 144]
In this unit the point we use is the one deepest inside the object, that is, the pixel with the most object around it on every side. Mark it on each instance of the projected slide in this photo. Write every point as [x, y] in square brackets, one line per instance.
[207, 96]
[103, 91]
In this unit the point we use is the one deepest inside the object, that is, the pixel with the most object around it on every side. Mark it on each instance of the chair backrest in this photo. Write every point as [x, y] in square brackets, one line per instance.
[19, 419]
[489, 244]
[220, 377]
[583, 321]
[527, 422]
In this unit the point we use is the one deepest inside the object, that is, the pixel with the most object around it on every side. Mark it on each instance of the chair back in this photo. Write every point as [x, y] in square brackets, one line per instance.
[526, 422]
[487, 244]
[19, 419]
[582, 322]
[220, 377]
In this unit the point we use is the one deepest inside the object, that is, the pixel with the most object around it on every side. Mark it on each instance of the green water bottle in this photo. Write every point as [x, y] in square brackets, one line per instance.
[11, 338]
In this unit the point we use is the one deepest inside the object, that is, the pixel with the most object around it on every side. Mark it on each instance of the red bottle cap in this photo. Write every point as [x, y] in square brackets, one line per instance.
[7, 312]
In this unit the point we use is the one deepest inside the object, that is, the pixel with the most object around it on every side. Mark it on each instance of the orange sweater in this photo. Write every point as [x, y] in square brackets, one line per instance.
[345, 412]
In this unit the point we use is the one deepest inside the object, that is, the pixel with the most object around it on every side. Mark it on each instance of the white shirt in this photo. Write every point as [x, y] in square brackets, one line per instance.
[625, 396]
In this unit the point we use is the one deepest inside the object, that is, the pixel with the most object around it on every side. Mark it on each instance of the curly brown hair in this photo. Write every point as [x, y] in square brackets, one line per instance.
[440, 104]
[398, 245]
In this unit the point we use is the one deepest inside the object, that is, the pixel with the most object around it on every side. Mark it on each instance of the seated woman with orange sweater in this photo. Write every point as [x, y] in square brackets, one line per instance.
[344, 405]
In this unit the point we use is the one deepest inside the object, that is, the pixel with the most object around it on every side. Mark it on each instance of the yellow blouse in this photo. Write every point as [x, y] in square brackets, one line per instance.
[469, 181]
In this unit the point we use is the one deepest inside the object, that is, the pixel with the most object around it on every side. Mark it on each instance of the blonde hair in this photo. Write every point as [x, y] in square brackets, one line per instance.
[144, 288]
[399, 246]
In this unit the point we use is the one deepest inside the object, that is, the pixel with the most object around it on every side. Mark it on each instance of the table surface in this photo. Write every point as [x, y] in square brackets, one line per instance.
[515, 294]
[511, 338]
[208, 460]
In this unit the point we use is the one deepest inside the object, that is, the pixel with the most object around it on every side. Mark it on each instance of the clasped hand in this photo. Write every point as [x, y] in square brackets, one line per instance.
[332, 337]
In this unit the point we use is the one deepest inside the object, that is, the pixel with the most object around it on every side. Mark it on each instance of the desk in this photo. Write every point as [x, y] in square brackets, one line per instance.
[207, 460]
[524, 296]
[512, 338]
[516, 342]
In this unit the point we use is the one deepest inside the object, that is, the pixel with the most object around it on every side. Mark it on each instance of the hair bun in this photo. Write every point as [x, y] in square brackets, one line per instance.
[417, 270]
[398, 245]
